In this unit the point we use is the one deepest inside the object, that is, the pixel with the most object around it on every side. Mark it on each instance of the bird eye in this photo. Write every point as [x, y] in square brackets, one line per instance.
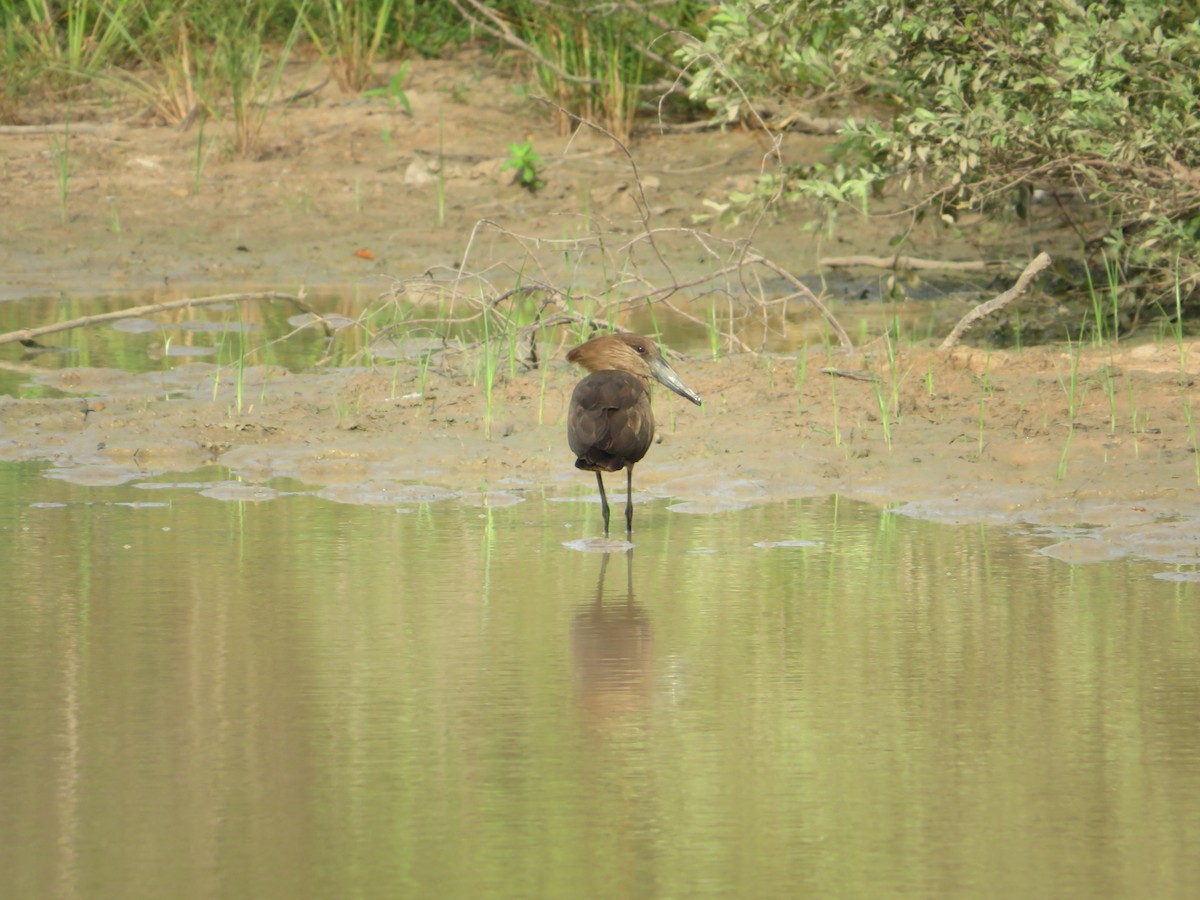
[640, 349]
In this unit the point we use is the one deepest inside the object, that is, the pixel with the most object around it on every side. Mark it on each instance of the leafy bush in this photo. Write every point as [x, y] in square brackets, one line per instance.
[980, 104]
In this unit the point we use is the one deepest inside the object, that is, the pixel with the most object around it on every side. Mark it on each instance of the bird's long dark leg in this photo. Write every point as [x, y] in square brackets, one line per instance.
[629, 499]
[603, 502]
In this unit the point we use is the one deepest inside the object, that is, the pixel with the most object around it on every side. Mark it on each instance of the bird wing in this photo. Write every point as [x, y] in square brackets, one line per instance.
[609, 425]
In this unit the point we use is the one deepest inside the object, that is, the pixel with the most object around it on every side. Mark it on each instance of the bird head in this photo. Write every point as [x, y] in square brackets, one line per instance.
[632, 353]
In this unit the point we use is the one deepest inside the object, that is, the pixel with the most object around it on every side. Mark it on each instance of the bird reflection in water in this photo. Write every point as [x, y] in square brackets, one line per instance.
[612, 653]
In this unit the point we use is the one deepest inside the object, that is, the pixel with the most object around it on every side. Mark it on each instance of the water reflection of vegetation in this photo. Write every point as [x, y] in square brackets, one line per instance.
[366, 696]
[516, 332]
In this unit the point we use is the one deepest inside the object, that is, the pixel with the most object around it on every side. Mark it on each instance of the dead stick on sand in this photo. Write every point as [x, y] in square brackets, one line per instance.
[28, 334]
[1040, 262]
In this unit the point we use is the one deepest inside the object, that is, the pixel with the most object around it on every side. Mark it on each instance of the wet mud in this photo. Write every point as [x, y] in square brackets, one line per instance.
[1096, 445]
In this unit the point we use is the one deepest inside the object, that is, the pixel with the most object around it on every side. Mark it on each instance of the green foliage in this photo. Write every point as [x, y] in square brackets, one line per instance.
[980, 105]
[598, 61]
[394, 92]
[159, 50]
[75, 37]
[348, 36]
[525, 160]
[750, 52]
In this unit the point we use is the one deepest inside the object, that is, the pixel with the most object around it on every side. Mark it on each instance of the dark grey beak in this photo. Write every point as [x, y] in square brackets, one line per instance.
[664, 374]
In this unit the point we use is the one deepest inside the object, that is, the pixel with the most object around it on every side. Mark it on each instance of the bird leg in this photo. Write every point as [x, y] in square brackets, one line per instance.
[629, 499]
[603, 501]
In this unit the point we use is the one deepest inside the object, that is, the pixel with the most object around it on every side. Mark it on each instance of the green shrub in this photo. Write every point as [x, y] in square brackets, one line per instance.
[979, 104]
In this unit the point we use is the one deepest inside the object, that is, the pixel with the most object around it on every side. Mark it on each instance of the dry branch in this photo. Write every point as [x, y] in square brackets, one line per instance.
[911, 262]
[1040, 262]
[29, 334]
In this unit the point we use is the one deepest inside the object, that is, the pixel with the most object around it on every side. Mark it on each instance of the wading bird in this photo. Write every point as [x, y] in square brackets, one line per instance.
[610, 425]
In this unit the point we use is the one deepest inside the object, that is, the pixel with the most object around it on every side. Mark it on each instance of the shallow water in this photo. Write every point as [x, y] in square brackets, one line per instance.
[207, 695]
[273, 333]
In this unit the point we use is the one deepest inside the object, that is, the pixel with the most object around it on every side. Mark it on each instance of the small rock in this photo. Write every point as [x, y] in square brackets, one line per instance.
[417, 174]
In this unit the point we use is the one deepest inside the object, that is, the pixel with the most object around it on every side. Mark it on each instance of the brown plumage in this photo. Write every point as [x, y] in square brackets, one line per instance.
[610, 425]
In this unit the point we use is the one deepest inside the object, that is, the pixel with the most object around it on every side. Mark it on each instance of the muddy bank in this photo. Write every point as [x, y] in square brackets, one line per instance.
[978, 437]
[1100, 449]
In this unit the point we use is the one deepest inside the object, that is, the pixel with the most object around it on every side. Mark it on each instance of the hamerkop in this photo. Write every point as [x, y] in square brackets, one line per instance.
[610, 425]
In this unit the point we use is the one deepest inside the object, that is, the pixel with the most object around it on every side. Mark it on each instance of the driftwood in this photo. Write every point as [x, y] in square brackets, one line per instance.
[1040, 262]
[910, 262]
[29, 334]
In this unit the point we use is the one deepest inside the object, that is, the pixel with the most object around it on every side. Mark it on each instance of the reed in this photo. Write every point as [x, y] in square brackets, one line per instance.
[801, 371]
[714, 333]
[884, 413]
[1075, 392]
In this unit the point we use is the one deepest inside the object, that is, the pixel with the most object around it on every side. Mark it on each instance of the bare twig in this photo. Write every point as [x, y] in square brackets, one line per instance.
[28, 334]
[802, 289]
[1040, 262]
[911, 262]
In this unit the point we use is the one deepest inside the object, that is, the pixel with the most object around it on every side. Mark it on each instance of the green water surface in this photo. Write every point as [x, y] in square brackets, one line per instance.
[301, 698]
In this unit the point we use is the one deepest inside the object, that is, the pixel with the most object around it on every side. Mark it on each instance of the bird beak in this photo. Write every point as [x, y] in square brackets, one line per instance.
[664, 374]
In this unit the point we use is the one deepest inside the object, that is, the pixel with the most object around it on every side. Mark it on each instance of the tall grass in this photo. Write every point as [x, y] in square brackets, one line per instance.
[593, 59]
[1075, 391]
[1105, 303]
[348, 35]
[67, 41]
[251, 74]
